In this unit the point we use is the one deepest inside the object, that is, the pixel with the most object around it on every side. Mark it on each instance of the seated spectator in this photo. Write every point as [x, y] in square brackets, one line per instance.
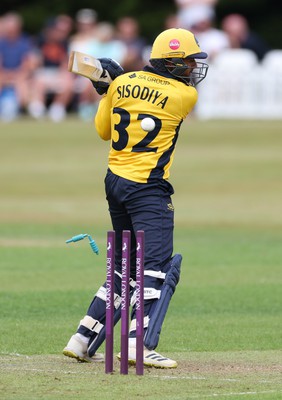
[181, 4]
[1, 27]
[200, 20]
[101, 43]
[107, 45]
[128, 32]
[16, 64]
[65, 23]
[86, 22]
[237, 28]
[171, 21]
[52, 77]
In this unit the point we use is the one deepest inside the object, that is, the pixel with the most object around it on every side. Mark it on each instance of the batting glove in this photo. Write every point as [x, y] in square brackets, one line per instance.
[113, 68]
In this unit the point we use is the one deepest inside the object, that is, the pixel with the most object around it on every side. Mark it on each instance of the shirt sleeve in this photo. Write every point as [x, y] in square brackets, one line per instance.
[189, 100]
[103, 118]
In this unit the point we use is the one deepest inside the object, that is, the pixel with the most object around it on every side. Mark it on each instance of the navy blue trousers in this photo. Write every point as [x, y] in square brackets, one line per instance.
[142, 206]
[138, 206]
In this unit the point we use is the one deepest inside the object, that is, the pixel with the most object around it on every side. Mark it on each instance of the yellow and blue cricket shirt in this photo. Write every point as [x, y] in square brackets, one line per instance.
[135, 154]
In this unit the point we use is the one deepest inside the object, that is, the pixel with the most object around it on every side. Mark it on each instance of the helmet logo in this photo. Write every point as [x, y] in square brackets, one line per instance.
[174, 44]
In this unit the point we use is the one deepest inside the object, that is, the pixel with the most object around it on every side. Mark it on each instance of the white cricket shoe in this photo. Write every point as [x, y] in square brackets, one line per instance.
[36, 109]
[77, 348]
[151, 359]
[154, 359]
[57, 112]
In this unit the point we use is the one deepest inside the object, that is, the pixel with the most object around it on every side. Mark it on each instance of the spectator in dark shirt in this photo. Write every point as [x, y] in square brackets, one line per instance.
[52, 77]
[240, 36]
[128, 32]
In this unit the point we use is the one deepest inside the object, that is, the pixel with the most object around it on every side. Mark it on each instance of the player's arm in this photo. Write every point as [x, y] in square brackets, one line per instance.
[103, 118]
[190, 97]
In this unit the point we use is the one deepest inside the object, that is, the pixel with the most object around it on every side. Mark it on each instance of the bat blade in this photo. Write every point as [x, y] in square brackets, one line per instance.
[88, 66]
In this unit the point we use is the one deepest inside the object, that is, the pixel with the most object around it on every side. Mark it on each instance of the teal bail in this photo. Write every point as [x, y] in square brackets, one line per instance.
[81, 236]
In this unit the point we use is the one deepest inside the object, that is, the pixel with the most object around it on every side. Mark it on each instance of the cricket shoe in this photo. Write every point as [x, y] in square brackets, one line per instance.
[151, 359]
[77, 348]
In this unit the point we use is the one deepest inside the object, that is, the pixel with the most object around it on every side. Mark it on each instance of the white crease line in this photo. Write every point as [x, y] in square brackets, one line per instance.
[205, 378]
[14, 355]
[200, 378]
[235, 394]
[169, 377]
[153, 376]
[165, 377]
[49, 370]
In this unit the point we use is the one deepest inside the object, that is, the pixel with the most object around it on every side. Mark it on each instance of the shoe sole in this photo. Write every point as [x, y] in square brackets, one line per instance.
[70, 354]
[99, 358]
[148, 364]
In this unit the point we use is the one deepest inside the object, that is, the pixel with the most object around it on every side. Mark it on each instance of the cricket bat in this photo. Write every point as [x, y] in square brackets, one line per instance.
[88, 66]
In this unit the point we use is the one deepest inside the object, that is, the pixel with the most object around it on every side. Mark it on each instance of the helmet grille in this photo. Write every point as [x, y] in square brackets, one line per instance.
[158, 64]
[176, 68]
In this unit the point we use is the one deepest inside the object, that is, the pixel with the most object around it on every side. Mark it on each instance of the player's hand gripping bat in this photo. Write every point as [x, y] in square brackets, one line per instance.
[101, 71]
[88, 66]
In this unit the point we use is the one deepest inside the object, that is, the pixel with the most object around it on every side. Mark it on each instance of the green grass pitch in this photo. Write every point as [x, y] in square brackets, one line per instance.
[224, 324]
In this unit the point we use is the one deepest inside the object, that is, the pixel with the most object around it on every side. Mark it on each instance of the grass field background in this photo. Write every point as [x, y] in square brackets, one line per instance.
[224, 325]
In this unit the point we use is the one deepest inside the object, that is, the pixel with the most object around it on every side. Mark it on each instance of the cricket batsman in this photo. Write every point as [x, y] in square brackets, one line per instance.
[141, 113]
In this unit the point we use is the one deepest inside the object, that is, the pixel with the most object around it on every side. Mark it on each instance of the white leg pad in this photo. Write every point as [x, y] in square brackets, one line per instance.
[92, 324]
[101, 293]
[133, 324]
[132, 282]
[155, 274]
[149, 294]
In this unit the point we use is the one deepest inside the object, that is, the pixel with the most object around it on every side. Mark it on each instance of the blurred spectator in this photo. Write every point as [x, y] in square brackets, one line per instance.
[237, 28]
[200, 20]
[86, 27]
[188, 3]
[171, 21]
[86, 21]
[65, 24]
[52, 79]
[16, 66]
[99, 40]
[106, 44]
[187, 7]
[128, 32]
[1, 27]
